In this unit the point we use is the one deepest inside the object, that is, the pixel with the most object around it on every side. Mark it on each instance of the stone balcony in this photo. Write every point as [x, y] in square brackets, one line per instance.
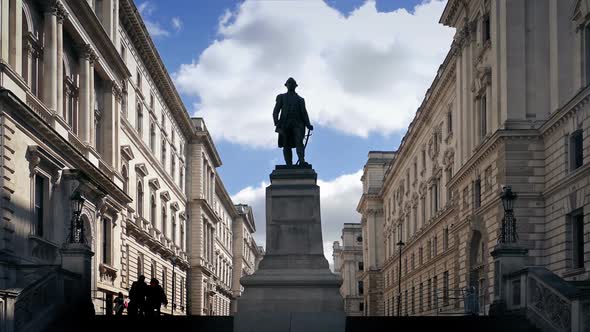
[107, 274]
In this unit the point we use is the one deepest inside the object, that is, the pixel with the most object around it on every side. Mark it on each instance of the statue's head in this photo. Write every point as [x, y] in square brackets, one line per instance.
[291, 84]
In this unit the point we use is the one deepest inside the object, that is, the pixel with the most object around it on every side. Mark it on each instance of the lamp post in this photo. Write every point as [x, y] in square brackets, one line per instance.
[508, 231]
[174, 259]
[400, 244]
[76, 225]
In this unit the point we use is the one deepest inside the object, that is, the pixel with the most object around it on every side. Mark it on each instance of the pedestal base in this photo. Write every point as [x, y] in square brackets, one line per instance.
[293, 289]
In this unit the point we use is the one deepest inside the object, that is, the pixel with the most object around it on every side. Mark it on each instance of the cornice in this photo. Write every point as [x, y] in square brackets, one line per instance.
[558, 117]
[34, 120]
[489, 146]
[99, 36]
[133, 23]
[203, 137]
[439, 86]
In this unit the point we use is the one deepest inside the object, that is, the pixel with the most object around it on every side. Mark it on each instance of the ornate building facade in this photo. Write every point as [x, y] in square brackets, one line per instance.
[87, 106]
[348, 262]
[508, 107]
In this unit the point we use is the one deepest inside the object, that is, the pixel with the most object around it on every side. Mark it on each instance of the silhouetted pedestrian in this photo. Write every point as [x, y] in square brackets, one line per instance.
[155, 298]
[119, 304]
[137, 297]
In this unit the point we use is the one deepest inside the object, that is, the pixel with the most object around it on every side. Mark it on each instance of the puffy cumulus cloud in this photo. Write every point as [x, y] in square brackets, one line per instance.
[362, 73]
[338, 200]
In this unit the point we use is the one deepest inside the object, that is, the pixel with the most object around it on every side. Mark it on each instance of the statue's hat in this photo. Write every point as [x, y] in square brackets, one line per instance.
[292, 80]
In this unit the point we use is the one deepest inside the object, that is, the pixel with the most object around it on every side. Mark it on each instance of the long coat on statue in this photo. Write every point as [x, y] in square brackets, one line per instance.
[292, 120]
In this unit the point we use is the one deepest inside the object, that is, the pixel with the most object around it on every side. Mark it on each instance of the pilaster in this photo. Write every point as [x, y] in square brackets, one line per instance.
[5, 30]
[50, 56]
[61, 16]
[16, 35]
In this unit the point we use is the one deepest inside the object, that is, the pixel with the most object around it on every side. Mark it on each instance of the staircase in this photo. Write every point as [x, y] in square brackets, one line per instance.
[432, 323]
[160, 324]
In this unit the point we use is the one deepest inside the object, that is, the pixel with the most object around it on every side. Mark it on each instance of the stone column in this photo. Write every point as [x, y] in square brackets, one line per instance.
[91, 101]
[50, 58]
[84, 94]
[61, 16]
[28, 74]
[16, 35]
[5, 30]
[109, 123]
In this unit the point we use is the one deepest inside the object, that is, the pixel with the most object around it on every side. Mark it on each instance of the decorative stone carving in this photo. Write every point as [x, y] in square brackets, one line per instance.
[107, 274]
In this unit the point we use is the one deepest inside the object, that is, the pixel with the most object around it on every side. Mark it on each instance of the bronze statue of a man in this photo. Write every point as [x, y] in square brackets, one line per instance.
[291, 123]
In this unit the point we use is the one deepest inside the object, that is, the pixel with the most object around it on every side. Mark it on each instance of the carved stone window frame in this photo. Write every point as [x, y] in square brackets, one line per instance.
[42, 163]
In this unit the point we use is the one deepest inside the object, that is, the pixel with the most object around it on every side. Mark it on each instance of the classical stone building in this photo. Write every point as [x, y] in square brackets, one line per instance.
[87, 106]
[247, 254]
[348, 262]
[508, 107]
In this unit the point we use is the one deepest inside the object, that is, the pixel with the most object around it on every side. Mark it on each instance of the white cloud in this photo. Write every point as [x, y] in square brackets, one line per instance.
[176, 23]
[155, 29]
[338, 200]
[362, 73]
[147, 9]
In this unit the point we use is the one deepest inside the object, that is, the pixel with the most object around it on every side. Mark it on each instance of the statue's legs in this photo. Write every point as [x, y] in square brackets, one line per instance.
[299, 148]
[288, 154]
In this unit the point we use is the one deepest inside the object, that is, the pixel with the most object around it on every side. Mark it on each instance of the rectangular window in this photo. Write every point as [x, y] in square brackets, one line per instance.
[445, 238]
[587, 53]
[361, 266]
[477, 193]
[360, 287]
[412, 305]
[423, 205]
[449, 122]
[40, 185]
[483, 116]
[486, 32]
[446, 288]
[106, 241]
[152, 101]
[420, 255]
[429, 294]
[435, 246]
[435, 205]
[415, 170]
[361, 306]
[577, 226]
[423, 159]
[421, 298]
[435, 292]
[576, 149]
[138, 80]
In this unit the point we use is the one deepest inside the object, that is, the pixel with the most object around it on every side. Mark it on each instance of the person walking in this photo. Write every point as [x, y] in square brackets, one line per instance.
[119, 304]
[137, 297]
[155, 298]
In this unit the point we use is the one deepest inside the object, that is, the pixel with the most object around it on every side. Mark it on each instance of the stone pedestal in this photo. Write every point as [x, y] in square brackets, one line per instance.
[293, 289]
[77, 258]
[508, 258]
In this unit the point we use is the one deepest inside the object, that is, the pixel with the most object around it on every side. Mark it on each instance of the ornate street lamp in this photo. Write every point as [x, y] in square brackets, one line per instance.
[174, 261]
[508, 231]
[76, 224]
[400, 244]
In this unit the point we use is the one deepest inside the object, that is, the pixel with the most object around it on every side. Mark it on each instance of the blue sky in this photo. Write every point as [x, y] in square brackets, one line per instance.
[363, 67]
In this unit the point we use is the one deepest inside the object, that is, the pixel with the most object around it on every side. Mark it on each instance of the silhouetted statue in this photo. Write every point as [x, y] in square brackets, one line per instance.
[291, 123]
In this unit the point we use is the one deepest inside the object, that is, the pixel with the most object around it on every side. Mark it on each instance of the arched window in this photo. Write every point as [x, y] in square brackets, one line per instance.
[32, 49]
[153, 269]
[174, 229]
[164, 218]
[139, 120]
[139, 265]
[182, 236]
[152, 137]
[140, 198]
[153, 210]
[125, 176]
[173, 167]
[163, 154]
[181, 178]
